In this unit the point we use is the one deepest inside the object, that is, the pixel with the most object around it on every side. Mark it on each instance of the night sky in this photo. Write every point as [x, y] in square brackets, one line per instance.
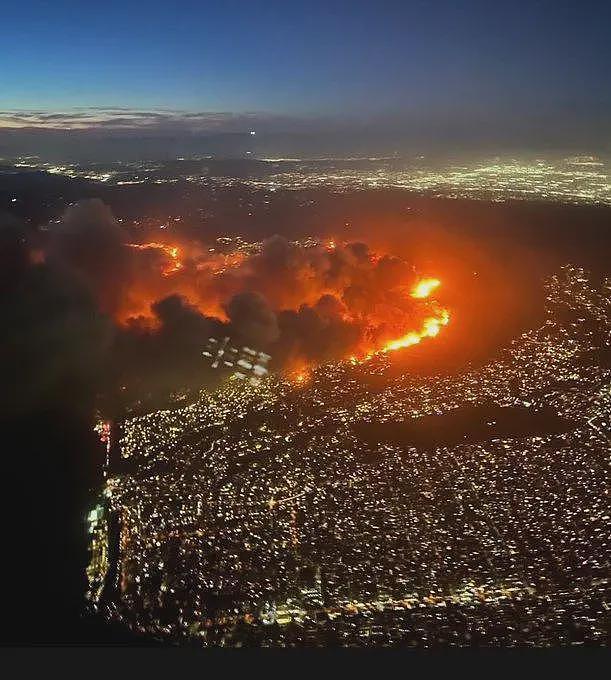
[289, 66]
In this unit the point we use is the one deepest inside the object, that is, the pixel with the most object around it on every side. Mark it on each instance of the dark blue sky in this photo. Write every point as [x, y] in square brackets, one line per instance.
[410, 60]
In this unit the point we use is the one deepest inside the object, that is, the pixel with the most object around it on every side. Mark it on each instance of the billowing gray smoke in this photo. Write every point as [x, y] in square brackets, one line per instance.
[252, 319]
[90, 243]
[166, 298]
[54, 340]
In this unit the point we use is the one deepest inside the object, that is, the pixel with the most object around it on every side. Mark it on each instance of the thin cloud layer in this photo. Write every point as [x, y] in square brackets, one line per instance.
[124, 118]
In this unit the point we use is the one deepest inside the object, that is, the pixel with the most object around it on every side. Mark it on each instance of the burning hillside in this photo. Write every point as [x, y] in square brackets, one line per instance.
[304, 302]
[362, 301]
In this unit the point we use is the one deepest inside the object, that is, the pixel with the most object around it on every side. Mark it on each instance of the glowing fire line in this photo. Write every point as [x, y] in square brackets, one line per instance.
[172, 252]
[430, 328]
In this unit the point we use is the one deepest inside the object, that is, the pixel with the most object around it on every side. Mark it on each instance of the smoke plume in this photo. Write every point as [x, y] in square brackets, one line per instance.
[140, 312]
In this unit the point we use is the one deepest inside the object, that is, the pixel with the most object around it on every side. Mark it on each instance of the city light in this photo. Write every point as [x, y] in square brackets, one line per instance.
[248, 487]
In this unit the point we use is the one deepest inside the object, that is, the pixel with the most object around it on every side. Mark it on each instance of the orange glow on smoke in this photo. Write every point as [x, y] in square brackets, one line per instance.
[299, 376]
[220, 263]
[382, 317]
[430, 328]
[173, 254]
[182, 269]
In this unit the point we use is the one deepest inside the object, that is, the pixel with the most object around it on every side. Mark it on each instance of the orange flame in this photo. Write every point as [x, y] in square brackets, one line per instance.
[300, 377]
[196, 284]
[172, 252]
[430, 326]
[425, 287]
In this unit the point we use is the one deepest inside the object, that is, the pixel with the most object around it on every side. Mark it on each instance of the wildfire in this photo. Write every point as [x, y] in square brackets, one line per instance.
[208, 280]
[425, 287]
[172, 252]
[411, 338]
[298, 372]
[430, 328]
[300, 377]
[220, 263]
